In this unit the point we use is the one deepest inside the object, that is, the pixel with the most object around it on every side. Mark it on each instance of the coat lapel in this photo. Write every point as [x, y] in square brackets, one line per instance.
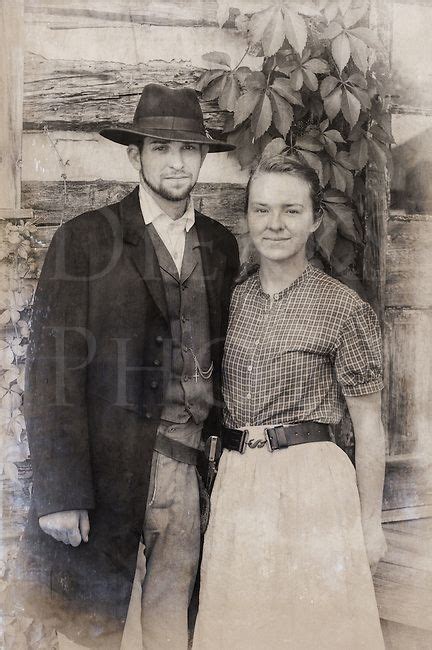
[214, 262]
[141, 249]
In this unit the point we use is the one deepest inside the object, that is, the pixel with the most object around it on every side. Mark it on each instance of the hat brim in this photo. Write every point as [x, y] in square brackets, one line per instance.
[128, 136]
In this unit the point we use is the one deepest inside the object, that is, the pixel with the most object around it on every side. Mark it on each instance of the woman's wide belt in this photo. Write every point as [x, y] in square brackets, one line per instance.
[275, 437]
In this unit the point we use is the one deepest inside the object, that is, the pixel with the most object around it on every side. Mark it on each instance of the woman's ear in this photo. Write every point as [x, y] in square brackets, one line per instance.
[317, 222]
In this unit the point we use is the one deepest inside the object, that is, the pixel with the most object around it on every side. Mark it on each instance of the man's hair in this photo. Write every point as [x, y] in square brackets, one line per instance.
[292, 166]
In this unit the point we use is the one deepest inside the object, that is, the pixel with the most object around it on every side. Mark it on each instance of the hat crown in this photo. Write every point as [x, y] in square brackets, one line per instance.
[159, 101]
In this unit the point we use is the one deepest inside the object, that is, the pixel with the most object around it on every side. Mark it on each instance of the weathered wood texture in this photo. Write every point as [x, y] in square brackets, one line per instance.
[11, 95]
[408, 354]
[86, 63]
[56, 202]
[409, 262]
[403, 582]
[374, 261]
[59, 155]
[79, 13]
[86, 95]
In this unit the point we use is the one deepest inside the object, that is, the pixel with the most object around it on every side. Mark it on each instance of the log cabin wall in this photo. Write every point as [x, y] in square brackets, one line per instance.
[85, 66]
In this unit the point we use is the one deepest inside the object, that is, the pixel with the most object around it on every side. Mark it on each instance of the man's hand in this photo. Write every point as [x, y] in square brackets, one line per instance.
[70, 527]
[375, 542]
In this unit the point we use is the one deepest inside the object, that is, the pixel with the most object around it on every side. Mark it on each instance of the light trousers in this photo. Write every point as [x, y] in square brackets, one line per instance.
[167, 562]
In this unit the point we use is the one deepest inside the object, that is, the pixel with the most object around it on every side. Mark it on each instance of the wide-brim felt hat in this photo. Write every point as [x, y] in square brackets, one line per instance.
[167, 114]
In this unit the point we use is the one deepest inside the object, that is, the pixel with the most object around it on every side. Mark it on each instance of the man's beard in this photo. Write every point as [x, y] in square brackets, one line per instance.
[167, 194]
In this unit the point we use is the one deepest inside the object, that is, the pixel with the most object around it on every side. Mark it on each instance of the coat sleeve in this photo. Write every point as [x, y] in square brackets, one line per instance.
[55, 394]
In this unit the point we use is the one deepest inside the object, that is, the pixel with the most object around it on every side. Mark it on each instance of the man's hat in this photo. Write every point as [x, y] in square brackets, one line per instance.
[167, 114]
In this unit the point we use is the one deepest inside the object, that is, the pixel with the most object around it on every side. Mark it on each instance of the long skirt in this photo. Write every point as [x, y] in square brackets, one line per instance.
[284, 561]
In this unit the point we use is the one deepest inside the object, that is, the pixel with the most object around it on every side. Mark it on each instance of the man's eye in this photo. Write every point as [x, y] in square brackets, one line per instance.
[190, 147]
[160, 147]
[261, 210]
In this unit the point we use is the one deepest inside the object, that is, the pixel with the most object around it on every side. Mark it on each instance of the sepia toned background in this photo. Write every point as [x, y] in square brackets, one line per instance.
[69, 67]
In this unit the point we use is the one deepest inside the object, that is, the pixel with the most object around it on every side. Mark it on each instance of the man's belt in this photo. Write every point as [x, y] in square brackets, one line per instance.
[176, 450]
[275, 437]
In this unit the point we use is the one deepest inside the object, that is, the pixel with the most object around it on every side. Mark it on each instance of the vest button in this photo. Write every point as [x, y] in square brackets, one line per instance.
[148, 415]
[159, 340]
[156, 362]
[185, 378]
[154, 384]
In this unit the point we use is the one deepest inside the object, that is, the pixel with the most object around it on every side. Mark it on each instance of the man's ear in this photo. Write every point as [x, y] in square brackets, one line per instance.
[134, 156]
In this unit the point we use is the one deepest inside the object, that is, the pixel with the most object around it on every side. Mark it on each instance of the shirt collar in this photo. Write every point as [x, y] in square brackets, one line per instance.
[151, 211]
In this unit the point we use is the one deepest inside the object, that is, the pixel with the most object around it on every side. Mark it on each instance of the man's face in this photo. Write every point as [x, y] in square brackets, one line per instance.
[169, 168]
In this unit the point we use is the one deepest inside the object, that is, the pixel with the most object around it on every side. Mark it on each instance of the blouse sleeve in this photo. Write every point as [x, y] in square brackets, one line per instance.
[358, 361]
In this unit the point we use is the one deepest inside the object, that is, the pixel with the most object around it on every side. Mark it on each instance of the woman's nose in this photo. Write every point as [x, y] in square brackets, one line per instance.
[275, 221]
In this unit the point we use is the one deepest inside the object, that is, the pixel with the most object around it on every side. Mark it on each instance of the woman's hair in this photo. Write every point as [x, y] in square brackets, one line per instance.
[285, 164]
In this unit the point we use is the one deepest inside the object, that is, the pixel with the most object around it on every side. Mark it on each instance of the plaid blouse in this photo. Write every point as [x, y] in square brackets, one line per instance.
[294, 358]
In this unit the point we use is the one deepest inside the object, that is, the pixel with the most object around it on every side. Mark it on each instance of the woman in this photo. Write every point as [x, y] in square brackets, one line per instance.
[294, 533]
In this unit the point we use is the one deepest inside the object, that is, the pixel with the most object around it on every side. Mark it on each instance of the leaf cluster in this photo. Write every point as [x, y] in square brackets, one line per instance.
[310, 90]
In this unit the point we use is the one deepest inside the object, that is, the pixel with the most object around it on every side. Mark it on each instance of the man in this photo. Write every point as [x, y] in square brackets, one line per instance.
[122, 385]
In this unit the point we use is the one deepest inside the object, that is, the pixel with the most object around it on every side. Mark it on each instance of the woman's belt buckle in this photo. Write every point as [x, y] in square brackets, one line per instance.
[271, 437]
[243, 441]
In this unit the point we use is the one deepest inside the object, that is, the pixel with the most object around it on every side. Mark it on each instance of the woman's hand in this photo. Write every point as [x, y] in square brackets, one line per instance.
[375, 542]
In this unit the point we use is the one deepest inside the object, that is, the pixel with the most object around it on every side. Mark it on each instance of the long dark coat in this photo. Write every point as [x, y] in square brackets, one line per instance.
[97, 365]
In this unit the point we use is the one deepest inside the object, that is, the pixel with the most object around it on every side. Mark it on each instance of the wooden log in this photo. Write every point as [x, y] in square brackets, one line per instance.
[93, 73]
[54, 202]
[11, 98]
[409, 264]
[97, 13]
[80, 13]
[87, 95]
[68, 156]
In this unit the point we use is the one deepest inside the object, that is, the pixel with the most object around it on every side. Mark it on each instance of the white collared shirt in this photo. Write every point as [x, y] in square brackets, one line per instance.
[171, 231]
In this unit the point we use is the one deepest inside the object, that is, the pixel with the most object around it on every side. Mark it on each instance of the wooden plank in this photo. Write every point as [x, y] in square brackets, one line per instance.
[403, 580]
[374, 259]
[54, 202]
[408, 355]
[15, 214]
[68, 156]
[11, 98]
[405, 637]
[78, 13]
[408, 513]
[86, 95]
[409, 262]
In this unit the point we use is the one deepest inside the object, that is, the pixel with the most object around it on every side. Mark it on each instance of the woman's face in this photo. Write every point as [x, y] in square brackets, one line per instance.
[280, 216]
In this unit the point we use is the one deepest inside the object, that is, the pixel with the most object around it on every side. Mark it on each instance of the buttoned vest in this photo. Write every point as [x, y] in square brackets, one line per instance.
[187, 394]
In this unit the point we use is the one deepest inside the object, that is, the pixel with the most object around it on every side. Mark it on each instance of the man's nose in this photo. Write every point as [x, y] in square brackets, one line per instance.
[176, 159]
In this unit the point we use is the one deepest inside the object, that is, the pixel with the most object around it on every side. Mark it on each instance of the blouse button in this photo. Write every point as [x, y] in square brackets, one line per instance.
[248, 396]
[250, 368]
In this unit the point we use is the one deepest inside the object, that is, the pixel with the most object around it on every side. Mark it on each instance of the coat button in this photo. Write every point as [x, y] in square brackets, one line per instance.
[159, 340]
[156, 362]
[154, 384]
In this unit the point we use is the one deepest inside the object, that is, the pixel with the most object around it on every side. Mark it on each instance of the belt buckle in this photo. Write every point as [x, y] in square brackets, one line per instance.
[243, 441]
[268, 439]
